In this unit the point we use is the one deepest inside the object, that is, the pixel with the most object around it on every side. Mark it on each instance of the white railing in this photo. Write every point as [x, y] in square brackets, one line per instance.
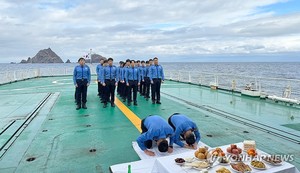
[270, 86]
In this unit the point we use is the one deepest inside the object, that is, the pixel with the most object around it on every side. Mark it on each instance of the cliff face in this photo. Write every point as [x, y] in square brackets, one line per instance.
[44, 56]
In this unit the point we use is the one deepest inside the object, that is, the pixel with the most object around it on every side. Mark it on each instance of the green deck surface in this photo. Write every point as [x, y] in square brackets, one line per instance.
[60, 138]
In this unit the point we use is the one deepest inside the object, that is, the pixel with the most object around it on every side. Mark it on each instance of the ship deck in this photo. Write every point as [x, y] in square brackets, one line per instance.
[40, 130]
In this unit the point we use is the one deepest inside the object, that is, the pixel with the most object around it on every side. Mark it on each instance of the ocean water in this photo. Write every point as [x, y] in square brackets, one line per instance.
[286, 70]
[244, 72]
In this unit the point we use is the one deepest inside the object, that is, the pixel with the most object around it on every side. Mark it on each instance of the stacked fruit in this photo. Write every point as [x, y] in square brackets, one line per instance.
[202, 153]
[218, 152]
[233, 149]
[251, 152]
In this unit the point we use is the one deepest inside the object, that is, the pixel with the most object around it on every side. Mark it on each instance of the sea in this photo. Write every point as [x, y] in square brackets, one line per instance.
[287, 70]
[272, 70]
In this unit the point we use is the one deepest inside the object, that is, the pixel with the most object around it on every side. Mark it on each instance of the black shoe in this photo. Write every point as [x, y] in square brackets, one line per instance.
[135, 103]
[112, 105]
[153, 102]
[78, 107]
[84, 106]
[128, 104]
[158, 102]
[105, 105]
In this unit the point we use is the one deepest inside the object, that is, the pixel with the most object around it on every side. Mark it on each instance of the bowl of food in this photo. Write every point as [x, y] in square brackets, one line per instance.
[223, 161]
[223, 170]
[258, 165]
[240, 167]
[233, 149]
[272, 160]
[180, 161]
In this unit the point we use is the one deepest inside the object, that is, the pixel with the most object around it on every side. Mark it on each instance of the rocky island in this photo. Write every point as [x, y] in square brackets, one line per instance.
[44, 56]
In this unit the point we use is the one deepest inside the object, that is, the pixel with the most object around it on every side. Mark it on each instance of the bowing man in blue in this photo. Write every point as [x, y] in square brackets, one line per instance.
[155, 128]
[81, 79]
[109, 80]
[132, 77]
[185, 128]
[156, 77]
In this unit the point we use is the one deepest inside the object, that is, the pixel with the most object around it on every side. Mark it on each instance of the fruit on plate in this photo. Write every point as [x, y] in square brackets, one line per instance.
[218, 152]
[258, 164]
[252, 152]
[222, 170]
[233, 149]
[179, 160]
[202, 153]
[240, 167]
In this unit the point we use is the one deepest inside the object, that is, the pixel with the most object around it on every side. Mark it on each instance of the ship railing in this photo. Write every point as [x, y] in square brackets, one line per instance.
[269, 86]
[237, 83]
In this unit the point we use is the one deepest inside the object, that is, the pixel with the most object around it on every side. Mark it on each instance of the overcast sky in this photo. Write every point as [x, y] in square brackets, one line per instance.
[182, 30]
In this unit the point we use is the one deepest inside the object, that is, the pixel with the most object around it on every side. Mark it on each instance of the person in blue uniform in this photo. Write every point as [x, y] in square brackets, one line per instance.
[75, 89]
[81, 79]
[98, 70]
[156, 77]
[147, 81]
[155, 128]
[186, 129]
[119, 69]
[142, 74]
[132, 77]
[126, 88]
[109, 80]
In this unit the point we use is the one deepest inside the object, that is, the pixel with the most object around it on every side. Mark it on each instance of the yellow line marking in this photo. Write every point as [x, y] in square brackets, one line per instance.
[136, 121]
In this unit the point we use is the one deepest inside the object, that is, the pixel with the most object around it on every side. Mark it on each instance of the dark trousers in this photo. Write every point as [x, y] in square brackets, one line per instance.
[125, 91]
[100, 90]
[147, 143]
[155, 89]
[121, 89]
[147, 87]
[142, 87]
[81, 91]
[109, 91]
[133, 85]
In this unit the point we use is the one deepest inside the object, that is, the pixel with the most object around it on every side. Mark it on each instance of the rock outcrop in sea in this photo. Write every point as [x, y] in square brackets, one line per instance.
[95, 58]
[44, 56]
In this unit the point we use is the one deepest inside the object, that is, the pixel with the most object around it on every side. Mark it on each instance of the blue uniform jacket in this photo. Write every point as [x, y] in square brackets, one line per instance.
[156, 71]
[158, 128]
[82, 72]
[99, 70]
[147, 71]
[132, 74]
[182, 124]
[120, 72]
[109, 72]
[143, 72]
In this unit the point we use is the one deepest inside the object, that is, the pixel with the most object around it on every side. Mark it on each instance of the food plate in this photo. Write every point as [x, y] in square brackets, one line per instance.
[223, 161]
[258, 165]
[198, 165]
[179, 161]
[240, 167]
[190, 159]
[272, 161]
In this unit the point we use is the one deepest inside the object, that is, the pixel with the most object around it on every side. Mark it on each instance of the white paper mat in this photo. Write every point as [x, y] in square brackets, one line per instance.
[176, 150]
